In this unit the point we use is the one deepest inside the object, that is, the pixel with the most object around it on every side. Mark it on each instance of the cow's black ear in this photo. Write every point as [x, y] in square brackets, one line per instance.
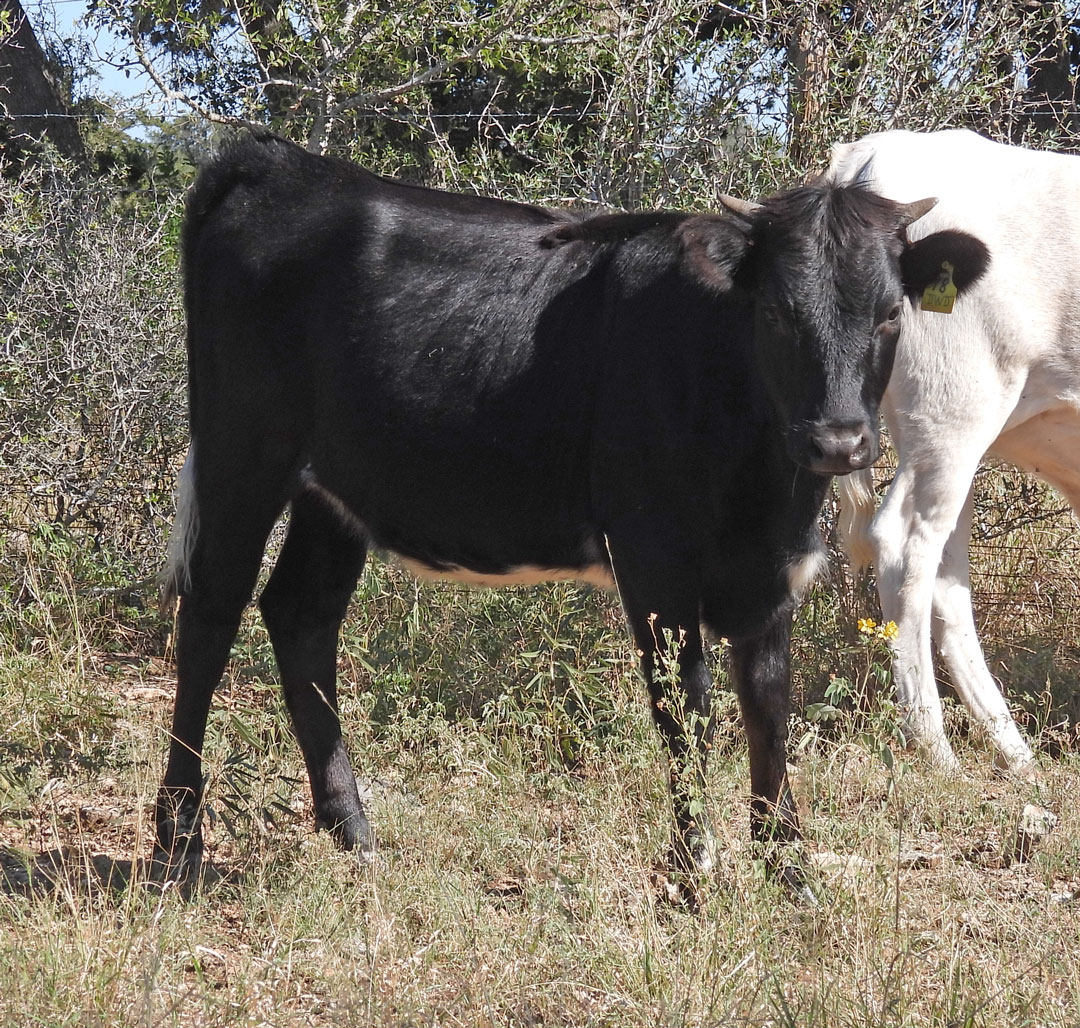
[714, 248]
[921, 261]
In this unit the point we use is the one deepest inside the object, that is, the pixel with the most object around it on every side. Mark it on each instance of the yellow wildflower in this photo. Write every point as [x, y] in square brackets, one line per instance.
[866, 626]
[888, 630]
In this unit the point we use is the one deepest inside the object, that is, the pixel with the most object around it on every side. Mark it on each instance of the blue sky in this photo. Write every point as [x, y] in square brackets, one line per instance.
[62, 19]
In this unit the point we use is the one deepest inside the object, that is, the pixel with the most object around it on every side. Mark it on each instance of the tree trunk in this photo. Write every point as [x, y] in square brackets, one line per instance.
[31, 106]
[808, 63]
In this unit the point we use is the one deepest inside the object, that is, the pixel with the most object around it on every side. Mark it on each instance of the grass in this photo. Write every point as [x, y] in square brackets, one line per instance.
[1026, 573]
[519, 798]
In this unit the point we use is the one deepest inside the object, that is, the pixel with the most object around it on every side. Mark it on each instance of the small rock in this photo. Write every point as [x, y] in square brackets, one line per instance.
[365, 787]
[676, 890]
[919, 859]
[848, 868]
[372, 790]
[91, 816]
[505, 885]
[147, 694]
[1036, 823]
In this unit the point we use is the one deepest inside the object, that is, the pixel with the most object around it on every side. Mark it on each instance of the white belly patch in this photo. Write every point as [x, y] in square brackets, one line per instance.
[596, 574]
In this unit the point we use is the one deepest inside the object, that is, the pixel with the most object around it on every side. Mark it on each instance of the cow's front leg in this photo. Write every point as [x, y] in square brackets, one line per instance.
[679, 687]
[761, 669]
[662, 607]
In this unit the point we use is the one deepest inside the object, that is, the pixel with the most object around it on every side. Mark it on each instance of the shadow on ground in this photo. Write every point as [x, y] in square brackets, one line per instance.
[85, 874]
[24, 873]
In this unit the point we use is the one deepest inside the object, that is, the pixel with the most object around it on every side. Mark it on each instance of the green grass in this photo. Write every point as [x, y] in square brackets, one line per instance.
[518, 794]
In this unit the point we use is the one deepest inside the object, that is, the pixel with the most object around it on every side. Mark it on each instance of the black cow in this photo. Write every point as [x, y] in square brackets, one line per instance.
[502, 393]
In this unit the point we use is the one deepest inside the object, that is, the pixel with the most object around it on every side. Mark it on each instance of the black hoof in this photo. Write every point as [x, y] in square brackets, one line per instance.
[781, 850]
[680, 877]
[178, 850]
[353, 834]
[677, 888]
[179, 861]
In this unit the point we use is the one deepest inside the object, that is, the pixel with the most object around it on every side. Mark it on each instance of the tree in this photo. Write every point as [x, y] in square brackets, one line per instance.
[526, 91]
[31, 103]
[1051, 57]
[836, 70]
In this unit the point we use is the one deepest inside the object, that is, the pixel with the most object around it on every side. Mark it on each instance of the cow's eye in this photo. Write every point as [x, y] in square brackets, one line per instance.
[894, 314]
[773, 317]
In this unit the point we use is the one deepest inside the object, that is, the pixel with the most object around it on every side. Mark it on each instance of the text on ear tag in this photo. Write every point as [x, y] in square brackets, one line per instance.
[940, 295]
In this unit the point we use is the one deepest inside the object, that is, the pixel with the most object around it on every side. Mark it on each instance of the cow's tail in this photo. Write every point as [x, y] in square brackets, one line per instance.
[857, 504]
[176, 578]
[213, 185]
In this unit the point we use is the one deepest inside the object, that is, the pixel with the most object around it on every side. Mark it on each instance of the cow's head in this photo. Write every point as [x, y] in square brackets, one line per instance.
[830, 269]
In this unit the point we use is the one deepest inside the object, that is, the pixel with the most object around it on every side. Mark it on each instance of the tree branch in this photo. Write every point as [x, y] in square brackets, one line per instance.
[175, 95]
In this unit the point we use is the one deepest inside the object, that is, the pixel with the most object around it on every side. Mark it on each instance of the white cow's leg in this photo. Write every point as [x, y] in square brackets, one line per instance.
[954, 632]
[909, 535]
[945, 406]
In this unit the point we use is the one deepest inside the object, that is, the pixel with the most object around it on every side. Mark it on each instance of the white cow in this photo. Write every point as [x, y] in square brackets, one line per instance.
[1001, 374]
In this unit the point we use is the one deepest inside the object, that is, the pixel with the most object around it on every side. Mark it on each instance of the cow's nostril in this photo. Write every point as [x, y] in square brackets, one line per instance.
[838, 449]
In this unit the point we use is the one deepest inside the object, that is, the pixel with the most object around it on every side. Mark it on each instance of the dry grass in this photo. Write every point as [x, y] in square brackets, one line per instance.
[520, 807]
[1026, 576]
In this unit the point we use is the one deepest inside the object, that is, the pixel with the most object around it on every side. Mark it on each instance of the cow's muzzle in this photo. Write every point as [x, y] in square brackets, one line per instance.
[834, 448]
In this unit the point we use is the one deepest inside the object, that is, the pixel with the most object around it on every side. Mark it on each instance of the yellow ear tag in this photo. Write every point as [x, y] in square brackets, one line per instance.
[940, 295]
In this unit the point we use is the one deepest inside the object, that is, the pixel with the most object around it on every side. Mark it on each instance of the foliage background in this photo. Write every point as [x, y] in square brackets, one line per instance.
[670, 103]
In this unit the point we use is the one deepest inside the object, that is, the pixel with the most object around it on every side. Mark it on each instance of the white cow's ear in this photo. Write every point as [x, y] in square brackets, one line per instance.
[714, 248]
[910, 212]
[921, 261]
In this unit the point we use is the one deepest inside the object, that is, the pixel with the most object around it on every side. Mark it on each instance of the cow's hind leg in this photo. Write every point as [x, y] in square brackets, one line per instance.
[303, 606]
[1048, 446]
[234, 517]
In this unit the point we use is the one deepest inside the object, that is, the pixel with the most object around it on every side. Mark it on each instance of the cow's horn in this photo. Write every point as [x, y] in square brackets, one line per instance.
[745, 208]
[910, 212]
